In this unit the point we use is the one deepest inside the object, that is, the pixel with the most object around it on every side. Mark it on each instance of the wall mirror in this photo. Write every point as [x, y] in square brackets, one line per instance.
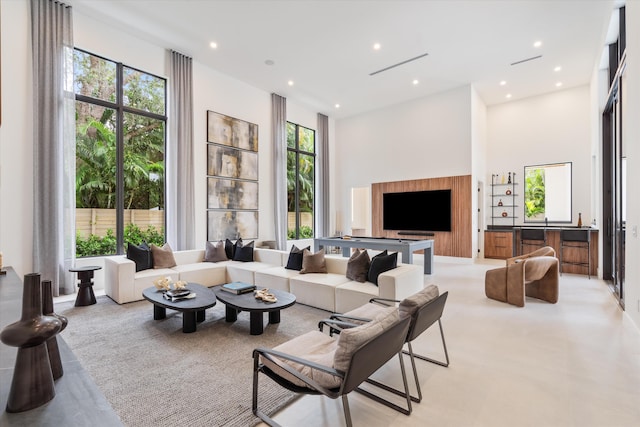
[547, 193]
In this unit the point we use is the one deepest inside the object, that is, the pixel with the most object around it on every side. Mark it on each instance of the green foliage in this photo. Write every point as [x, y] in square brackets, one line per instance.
[95, 245]
[306, 232]
[534, 197]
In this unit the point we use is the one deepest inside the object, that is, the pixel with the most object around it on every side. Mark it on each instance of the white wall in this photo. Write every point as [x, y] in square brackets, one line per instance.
[478, 170]
[16, 138]
[550, 128]
[425, 138]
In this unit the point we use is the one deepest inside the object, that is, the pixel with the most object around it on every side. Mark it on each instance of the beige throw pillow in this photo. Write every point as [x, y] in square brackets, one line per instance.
[358, 266]
[352, 339]
[162, 256]
[410, 305]
[313, 263]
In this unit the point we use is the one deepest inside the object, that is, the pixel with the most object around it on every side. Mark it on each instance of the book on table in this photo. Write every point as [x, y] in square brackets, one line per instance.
[238, 287]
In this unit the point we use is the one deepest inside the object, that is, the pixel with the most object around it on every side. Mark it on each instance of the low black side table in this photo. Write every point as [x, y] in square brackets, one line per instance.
[85, 287]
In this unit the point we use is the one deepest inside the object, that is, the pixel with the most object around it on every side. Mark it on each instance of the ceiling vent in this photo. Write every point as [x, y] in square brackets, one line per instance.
[398, 64]
[526, 60]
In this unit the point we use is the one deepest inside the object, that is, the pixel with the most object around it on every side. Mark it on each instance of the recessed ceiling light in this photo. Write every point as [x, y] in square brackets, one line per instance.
[558, 68]
[503, 82]
[376, 46]
[290, 82]
[213, 45]
[415, 81]
[337, 105]
[537, 43]
[558, 84]
[508, 96]
[269, 62]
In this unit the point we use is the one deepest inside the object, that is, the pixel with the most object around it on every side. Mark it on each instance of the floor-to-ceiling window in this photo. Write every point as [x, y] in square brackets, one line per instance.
[301, 160]
[120, 144]
[614, 169]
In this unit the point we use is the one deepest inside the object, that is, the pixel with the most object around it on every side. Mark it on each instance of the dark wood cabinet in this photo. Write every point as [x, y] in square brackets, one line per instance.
[498, 244]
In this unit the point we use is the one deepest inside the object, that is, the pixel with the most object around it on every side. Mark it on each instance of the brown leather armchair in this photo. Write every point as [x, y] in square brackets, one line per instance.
[534, 275]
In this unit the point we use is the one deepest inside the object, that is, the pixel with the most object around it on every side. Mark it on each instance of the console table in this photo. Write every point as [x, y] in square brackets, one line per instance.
[405, 246]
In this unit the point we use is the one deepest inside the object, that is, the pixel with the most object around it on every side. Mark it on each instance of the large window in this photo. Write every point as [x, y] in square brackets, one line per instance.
[301, 161]
[120, 143]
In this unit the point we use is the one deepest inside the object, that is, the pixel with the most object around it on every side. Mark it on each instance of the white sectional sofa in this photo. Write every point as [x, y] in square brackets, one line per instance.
[330, 291]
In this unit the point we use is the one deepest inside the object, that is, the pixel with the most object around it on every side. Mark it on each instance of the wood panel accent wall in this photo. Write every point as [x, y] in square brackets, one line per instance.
[457, 242]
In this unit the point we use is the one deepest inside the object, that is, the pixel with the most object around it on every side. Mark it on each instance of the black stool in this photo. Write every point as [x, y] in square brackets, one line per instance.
[85, 287]
[532, 237]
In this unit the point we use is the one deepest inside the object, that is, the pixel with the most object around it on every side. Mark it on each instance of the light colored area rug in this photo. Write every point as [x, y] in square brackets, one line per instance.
[155, 375]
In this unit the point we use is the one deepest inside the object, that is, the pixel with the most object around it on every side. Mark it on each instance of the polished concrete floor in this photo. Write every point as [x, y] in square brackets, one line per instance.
[575, 363]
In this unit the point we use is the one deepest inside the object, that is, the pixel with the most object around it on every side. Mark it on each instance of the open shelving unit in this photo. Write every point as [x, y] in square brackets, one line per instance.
[503, 199]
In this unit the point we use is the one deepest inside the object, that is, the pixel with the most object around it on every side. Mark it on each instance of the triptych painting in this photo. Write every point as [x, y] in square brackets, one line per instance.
[232, 178]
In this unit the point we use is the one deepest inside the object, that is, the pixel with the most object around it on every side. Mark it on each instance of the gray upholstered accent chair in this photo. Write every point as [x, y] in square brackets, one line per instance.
[316, 363]
[424, 308]
[535, 275]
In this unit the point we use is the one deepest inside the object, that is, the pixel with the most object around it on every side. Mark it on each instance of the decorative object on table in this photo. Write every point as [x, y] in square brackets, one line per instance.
[579, 219]
[238, 287]
[500, 202]
[504, 214]
[162, 283]
[232, 178]
[508, 192]
[509, 179]
[180, 284]
[32, 383]
[178, 295]
[52, 343]
[265, 295]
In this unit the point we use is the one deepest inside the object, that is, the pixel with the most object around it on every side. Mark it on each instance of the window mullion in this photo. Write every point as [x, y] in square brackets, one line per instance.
[119, 160]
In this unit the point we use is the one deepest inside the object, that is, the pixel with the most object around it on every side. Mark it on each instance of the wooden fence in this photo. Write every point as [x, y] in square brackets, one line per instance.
[98, 221]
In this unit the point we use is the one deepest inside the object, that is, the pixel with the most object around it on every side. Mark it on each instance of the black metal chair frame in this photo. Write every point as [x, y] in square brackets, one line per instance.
[576, 238]
[532, 237]
[424, 317]
[367, 359]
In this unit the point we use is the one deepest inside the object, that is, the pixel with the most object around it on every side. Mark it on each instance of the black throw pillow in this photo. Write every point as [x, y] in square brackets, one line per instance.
[381, 263]
[230, 247]
[141, 255]
[295, 258]
[242, 252]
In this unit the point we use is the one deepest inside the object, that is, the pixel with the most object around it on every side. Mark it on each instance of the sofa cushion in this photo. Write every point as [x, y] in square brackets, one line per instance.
[410, 305]
[352, 339]
[141, 255]
[243, 253]
[163, 256]
[295, 258]
[215, 252]
[358, 266]
[381, 263]
[313, 262]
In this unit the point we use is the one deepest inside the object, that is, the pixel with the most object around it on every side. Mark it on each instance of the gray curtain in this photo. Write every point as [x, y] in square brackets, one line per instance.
[53, 143]
[180, 193]
[279, 138]
[323, 227]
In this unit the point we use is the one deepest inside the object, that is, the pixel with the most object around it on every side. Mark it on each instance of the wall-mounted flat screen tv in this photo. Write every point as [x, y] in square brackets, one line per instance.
[417, 211]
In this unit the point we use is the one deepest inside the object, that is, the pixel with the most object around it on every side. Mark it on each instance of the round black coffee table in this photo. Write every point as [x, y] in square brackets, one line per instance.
[247, 302]
[192, 309]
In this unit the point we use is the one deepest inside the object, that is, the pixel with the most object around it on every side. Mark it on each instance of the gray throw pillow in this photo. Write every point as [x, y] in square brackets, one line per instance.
[215, 252]
[163, 256]
[358, 266]
[313, 263]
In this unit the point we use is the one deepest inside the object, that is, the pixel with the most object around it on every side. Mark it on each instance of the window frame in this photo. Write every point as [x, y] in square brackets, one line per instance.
[120, 109]
[299, 152]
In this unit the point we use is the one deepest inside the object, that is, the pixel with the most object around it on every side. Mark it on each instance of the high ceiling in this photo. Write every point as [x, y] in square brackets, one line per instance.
[326, 47]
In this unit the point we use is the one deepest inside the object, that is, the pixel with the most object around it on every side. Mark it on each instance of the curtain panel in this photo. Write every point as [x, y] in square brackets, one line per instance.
[180, 215]
[323, 227]
[53, 144]
[279, 138]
